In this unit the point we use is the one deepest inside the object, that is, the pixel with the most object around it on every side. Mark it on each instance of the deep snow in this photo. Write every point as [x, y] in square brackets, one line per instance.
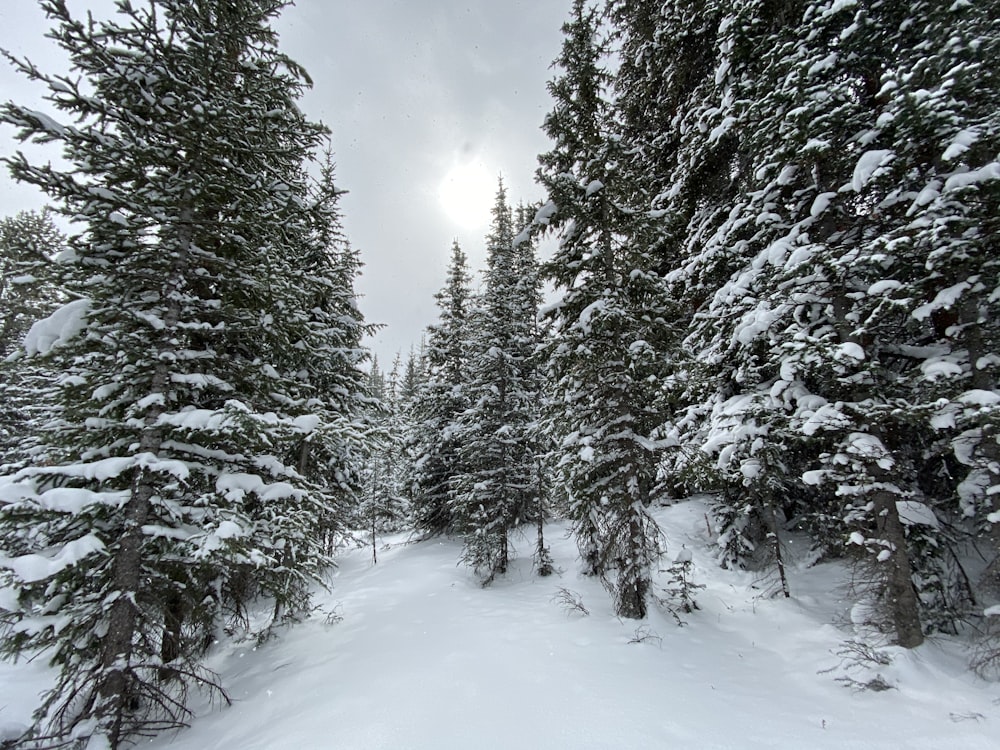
[425, 658]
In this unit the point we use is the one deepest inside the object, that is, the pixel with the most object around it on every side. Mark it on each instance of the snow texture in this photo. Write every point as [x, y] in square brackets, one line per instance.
[980, 397]
[31, 568]
[839, 5]
[237, 486]
[974, 177]
[869, 163]
[913, 513]
[47, 123]
[827, 417]
[821, 203]
[962, 142]
[870, 448]
[425, 658]
[849, 350]
[58, 328]
[944, 299]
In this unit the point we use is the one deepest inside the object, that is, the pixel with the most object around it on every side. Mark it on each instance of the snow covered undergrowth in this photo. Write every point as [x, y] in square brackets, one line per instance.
[425, 658]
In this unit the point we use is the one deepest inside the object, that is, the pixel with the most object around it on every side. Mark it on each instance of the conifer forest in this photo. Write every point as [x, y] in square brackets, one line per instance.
[766, 276]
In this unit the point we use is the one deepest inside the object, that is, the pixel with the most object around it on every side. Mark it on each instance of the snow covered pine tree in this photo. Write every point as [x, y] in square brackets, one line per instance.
[28, 243]
[496, 489]
[172, 489]
[838, 272]
[603, 358]
[440, 398]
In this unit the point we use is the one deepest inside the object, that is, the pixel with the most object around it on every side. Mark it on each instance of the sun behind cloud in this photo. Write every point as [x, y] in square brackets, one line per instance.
[466, 193]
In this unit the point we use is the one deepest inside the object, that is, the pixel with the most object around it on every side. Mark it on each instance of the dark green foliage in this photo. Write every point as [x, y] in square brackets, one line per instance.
[385, 504]
[205, 436]
[498, 487]
[439, 399]
[605, 353]
[680, 590]
[792, 204]
[29, 243]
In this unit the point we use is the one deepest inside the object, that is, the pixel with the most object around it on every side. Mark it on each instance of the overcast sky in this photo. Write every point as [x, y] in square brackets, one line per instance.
[428, 101]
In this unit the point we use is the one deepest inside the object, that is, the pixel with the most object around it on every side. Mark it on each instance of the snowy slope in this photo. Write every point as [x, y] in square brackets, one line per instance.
[424, 658]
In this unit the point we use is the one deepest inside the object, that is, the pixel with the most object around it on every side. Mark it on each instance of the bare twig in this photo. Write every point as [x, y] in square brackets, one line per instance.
[570, 601]
[643, 634]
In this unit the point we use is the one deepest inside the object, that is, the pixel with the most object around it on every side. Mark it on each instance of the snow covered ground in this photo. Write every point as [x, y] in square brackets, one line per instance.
[425, 658]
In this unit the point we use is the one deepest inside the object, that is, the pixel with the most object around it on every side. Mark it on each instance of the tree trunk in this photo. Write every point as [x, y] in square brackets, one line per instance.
[374, 510]
[901, 596]
[117, 689]
[772, 524]
[989, 581]
[633, 581]
[544, 560]
[989, 451]
[900, 593]
[631, 599]
[303, 467]
[170, 644]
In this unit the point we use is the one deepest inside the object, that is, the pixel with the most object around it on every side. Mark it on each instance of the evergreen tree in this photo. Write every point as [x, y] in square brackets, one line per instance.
[751, 248]
[537, 437]
[824, 322]
[940, 216]
[385, 505]
[329, 361]
[376, 379]
[716, 72]
[607, 327]
[29, 243]
[496, 489]
[198, 396]
[439, 398]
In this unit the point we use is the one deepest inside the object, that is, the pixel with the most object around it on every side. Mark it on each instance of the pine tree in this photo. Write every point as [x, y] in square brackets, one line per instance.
[770, 266]
[496, 489]
[604, 359]
[29, 244]
[537, 434]
[29, 241]
[701, 167]
[825, 330]
[180, 481]
[945, 139]
[837, 327]
[385, 505]
[438, 401]
[329, 361]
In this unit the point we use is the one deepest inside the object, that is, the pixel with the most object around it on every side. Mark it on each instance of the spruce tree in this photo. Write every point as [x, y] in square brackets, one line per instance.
[178, 483]
[607, 327]
[838, 283]
[29, 244]
[385, 505]
[328, 362]
[495, 492]
[945, 136]
[777, 274]
[439, 398]
[716, 70]
[538, 438]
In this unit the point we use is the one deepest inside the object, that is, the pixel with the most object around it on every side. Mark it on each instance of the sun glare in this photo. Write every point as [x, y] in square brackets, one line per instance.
[466, 194]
